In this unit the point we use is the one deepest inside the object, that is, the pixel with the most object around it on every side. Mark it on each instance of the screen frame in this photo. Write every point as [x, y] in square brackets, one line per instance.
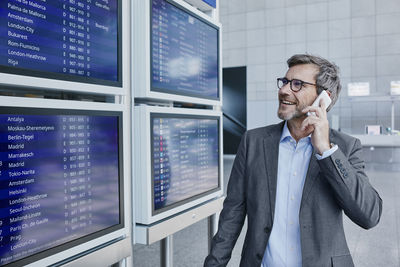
[115, 231]
[194, 197]
[177, 92]
[8, 73]
[142, 163]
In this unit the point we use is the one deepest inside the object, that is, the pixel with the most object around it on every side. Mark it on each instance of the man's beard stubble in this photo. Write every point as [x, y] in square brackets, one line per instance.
[293, 115]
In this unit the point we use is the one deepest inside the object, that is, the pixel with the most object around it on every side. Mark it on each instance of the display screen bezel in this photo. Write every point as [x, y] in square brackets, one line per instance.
[179, 92]
[76, 78]
[154, 115]
[12, 110]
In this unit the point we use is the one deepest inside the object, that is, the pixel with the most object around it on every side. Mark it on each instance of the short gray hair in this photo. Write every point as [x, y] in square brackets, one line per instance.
[326, 79]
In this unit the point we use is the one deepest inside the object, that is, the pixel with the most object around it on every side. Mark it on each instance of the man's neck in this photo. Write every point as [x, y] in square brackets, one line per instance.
[294, 126]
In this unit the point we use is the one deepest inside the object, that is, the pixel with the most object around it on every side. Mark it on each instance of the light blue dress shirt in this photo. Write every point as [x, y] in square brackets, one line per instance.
[284, 247]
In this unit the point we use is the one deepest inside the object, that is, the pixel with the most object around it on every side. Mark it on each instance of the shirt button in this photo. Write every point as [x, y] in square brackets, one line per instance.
[295, 173]
[292, 197]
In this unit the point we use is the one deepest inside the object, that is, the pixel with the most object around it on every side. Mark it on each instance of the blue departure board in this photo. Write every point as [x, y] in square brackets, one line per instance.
[185, 162]
[60, 180]
[212, 3]
[76, 40]
[184, 52]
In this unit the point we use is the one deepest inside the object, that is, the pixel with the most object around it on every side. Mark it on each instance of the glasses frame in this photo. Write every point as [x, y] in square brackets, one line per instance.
[283, 79]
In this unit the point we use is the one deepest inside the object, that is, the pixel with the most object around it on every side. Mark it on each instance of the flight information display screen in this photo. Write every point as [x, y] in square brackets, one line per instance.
[60, 180]
[76, 40]
[184, 54]
[185, 162]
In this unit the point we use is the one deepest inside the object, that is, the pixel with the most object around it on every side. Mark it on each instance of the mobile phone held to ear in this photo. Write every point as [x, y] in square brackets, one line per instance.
[327, 100]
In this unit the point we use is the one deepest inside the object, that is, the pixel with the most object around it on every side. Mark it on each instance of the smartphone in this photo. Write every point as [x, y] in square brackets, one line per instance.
[327, 100]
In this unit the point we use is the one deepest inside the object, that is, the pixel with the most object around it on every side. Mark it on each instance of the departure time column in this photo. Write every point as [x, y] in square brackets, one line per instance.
[77, 173]
[76, 37]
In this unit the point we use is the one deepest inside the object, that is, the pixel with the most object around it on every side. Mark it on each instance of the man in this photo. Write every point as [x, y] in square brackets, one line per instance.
[294, 180]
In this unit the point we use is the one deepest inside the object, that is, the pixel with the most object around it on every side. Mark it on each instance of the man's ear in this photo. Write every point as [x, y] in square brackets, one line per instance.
[328, 92]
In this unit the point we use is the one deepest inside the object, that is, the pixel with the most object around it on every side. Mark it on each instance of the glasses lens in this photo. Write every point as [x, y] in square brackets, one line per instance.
[296, 85]
[282, 82]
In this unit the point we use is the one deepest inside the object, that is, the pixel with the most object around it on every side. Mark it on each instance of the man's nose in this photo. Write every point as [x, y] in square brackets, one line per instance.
[285, 89]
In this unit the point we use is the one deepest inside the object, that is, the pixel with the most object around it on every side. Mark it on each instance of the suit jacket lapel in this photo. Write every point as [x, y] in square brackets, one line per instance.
[311, 176]
[312, 173]
[271, 155]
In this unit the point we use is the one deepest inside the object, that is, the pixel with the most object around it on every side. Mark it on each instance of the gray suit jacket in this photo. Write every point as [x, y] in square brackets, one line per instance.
[335, 184]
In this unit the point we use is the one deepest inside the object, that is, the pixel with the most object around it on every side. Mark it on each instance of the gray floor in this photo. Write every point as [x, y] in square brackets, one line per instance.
[379, 246]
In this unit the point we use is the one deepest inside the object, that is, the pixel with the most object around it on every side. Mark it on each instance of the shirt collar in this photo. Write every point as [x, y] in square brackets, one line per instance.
[286, 134]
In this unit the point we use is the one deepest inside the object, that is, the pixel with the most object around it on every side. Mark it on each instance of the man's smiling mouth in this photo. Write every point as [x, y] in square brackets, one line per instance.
[287, 102]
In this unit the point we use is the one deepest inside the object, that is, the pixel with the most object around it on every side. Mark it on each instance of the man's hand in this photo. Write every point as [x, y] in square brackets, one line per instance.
[318, 126]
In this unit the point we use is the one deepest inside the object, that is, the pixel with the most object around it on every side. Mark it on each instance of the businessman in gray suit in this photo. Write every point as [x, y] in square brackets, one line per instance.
[294, 180]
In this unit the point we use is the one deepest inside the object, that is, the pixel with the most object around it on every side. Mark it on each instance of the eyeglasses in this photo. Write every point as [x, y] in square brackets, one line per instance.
[295, 84]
